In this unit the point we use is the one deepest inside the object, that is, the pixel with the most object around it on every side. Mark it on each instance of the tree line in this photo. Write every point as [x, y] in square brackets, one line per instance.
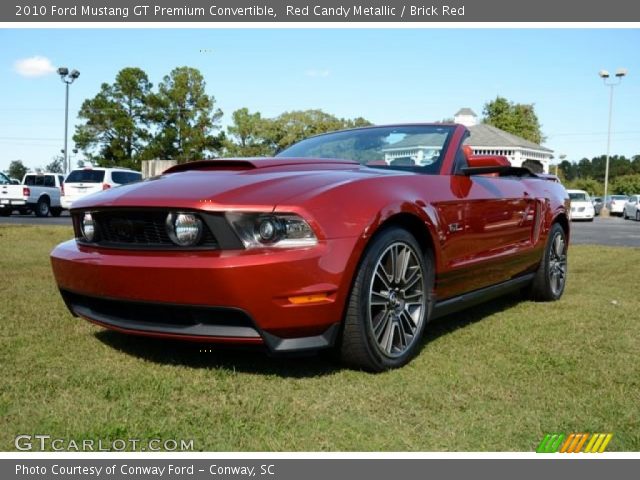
[588, 174]
[129, 121]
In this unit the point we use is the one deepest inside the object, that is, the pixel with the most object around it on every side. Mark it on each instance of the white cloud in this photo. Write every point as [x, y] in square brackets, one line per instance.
[34, 66]
[317, 73]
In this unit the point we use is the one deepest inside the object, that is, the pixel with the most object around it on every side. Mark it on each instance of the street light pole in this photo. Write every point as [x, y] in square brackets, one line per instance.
[67, 78]
[621, 72]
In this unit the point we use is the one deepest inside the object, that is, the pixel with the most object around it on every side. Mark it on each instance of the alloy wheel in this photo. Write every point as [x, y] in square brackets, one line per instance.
[397, 299]
[557, 264]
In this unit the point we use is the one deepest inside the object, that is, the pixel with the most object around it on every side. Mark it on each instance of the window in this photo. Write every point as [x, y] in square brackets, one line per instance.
[123, 178]
[34, 180]
[49, 181]
[86, 176]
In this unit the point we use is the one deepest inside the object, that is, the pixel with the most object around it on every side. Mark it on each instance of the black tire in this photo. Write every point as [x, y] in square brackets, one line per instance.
[551, 276]
[56, 211]
[637, 215]
[42, 208]
[386, 315]
[5, 212]
[624, 214]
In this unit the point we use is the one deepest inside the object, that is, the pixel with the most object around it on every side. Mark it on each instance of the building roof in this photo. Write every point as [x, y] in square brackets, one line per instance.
[466, 111]
[483, 135]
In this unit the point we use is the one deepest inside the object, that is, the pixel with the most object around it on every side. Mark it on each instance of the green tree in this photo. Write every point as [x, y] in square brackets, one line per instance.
[291, 127]
[186, 116]
[516, 118]
[567, 170]
[626, 185]
[17, 169]
[248, 135]
[116, 127]
[56, 165]
[590, 185]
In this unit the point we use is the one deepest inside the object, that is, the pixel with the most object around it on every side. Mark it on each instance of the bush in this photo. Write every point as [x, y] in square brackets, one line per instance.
[626, 185]
[590, 185]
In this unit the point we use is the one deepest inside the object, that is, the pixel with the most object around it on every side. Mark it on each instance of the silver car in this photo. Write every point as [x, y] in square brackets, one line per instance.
[631, 208]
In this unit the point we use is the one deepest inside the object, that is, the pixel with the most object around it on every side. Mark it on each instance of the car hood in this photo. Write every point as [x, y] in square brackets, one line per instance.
[234, 183]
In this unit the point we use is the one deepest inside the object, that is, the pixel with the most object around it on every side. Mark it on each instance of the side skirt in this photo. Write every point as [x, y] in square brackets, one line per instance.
[466, 300]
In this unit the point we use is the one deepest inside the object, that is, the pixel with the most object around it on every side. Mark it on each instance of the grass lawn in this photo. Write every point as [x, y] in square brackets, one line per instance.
[495, 378]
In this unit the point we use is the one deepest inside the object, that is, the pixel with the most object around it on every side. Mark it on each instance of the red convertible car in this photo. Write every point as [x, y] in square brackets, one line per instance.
[352, 240]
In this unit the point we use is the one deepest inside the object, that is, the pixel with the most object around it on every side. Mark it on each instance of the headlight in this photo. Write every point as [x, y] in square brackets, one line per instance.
[272, 230]
[184, 229]
[88, 227]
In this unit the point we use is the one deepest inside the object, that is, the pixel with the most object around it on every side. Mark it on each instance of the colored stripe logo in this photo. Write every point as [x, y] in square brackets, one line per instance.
[574, 443]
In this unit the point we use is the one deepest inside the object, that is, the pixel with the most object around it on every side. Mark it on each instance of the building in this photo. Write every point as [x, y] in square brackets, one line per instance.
[489, 140]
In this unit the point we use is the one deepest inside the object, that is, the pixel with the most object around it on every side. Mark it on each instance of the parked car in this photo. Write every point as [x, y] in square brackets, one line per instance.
[597, 204]
[581, 206]
[632, 208]
[87, 180]
[39, 193]
[327, 244]
[615, 204]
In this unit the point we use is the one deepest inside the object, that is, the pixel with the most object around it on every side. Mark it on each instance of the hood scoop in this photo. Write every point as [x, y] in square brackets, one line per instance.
[254, 163]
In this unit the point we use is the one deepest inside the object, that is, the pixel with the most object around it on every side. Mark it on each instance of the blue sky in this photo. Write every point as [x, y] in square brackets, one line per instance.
[384, 75]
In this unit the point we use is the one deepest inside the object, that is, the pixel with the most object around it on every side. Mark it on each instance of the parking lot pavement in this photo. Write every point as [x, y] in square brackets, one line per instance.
[606, 231]
[14, 219]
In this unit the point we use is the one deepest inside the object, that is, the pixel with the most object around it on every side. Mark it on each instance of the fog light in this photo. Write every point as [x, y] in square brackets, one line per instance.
[88, 227]
[184, 229]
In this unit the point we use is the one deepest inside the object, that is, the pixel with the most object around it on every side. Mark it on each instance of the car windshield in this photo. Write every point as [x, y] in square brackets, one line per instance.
[578, 197]
[411, 147]
[85, 176]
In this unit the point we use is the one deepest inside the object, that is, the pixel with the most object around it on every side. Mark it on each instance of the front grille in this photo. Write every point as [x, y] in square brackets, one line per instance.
[163, 318]
[138, 228]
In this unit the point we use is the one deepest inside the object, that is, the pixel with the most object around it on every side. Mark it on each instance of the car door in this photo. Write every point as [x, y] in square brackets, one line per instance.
[499, 220]
[492, 219]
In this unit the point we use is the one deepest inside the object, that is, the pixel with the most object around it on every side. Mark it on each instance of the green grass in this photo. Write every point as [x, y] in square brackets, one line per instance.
[496, 378]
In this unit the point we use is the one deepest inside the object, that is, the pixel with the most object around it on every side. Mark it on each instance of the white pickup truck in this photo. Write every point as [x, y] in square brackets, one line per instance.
[39, 193]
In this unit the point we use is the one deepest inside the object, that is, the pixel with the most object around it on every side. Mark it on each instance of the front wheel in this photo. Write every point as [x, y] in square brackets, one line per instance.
[390, 303]
[549, 282]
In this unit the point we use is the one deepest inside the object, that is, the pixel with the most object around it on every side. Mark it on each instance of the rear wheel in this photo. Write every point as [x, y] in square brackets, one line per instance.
[42, 207]
[5, 212]
[389, 303]
[550, 279]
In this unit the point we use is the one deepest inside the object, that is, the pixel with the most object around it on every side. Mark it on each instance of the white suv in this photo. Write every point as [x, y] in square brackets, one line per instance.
[83, 181]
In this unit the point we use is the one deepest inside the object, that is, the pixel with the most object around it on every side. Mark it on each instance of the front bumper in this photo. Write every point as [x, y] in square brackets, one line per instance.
[584, 215]
[286, 299]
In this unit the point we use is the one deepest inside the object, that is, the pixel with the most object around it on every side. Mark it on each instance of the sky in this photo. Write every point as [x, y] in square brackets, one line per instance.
[383, 75]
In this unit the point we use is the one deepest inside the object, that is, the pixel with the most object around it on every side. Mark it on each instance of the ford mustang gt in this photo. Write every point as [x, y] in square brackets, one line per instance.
[352, 240]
